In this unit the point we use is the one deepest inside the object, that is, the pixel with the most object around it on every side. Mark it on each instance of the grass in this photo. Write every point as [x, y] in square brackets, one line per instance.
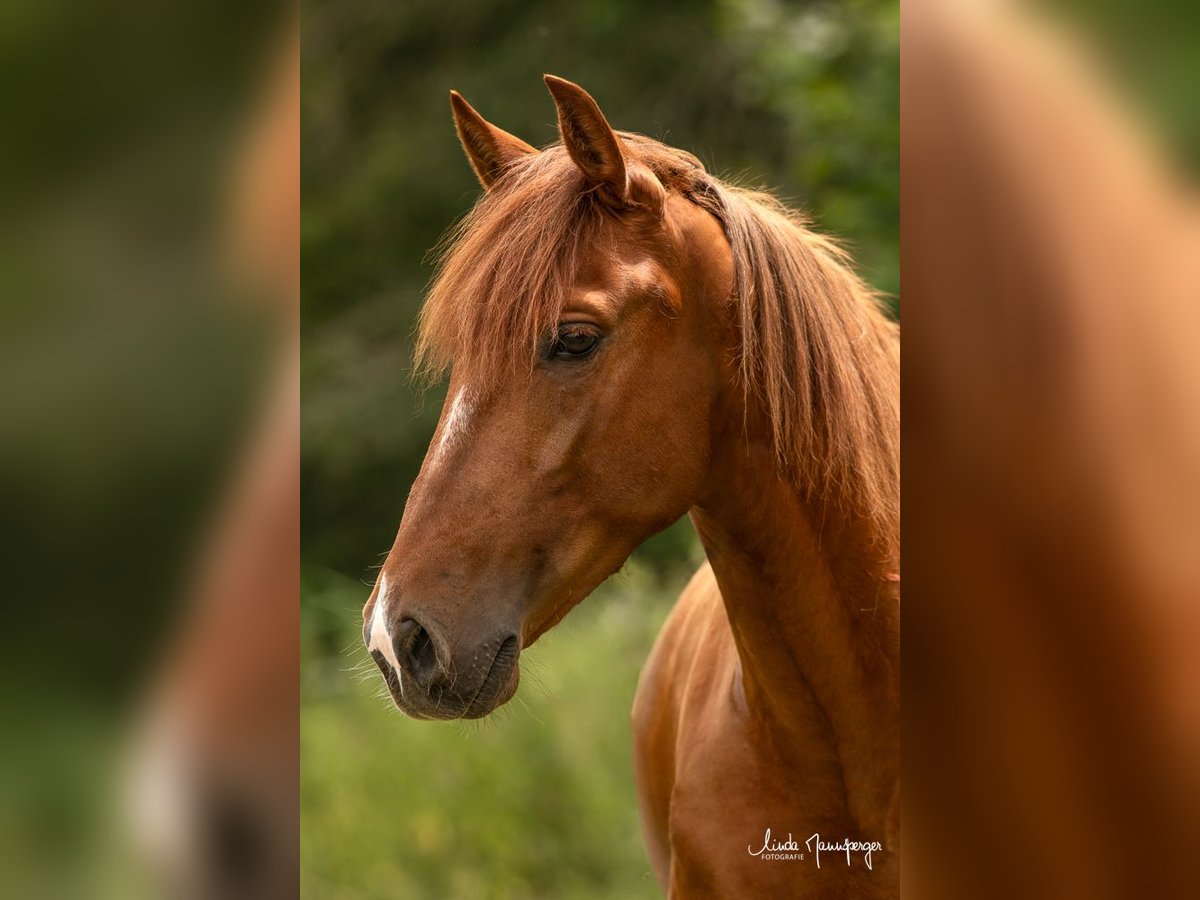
[535, 801]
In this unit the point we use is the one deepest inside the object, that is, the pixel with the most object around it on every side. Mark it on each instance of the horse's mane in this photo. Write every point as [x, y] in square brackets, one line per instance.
[815, 348]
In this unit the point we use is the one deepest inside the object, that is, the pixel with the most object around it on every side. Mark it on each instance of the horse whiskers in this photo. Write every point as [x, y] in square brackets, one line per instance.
[532, 672]
[529, 710]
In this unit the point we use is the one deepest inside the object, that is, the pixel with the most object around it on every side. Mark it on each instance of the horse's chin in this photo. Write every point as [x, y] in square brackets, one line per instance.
[487, 702]
[496, 690]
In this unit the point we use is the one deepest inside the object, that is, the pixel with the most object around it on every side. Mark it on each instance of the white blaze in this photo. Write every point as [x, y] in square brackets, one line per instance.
[457, 424]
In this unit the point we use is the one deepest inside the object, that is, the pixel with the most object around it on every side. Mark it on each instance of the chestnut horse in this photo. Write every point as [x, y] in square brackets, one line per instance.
[630, 339]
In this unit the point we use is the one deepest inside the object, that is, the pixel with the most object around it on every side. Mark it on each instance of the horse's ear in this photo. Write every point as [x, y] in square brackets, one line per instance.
[589, 138]
[490, 149]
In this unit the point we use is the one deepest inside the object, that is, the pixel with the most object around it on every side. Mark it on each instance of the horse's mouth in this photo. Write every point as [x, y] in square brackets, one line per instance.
[502, 675]
[497, 688]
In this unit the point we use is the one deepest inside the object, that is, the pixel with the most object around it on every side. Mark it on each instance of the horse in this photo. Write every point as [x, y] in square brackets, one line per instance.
[629, 339]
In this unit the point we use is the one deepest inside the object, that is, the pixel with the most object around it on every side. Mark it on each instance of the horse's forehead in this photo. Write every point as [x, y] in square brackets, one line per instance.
[629, 285]
[618, 279]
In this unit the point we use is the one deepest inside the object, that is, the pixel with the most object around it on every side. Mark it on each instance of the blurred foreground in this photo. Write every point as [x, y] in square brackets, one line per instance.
[1052, 468]
[149, 277]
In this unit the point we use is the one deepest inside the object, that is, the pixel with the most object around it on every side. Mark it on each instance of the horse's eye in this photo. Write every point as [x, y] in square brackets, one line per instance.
[575, 341]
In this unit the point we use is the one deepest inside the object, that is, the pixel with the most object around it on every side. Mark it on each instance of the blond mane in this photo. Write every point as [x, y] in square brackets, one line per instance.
[815, 349]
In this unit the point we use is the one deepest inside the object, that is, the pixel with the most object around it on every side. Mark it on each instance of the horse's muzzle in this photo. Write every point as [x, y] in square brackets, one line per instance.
[430, 681]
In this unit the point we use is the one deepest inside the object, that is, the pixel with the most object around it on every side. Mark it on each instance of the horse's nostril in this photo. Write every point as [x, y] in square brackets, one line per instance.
[422, 652]
[415, 651]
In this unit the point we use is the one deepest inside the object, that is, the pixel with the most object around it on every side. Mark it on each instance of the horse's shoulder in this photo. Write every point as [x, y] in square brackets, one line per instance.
[698, 611]
[694, 629]
[702, 582]
[658, 705]
[700, 598]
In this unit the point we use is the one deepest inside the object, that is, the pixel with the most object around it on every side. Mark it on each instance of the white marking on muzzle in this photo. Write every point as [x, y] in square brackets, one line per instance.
[161, 788]
[381, 637]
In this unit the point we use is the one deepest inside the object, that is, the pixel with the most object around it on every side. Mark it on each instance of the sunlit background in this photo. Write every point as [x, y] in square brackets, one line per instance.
[537, 801]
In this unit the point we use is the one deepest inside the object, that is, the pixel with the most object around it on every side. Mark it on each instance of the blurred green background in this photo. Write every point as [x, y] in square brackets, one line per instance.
[129, 369]
[538, 800]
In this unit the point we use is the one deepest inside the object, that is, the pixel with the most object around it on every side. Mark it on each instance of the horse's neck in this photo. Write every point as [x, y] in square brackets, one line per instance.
[813, 604]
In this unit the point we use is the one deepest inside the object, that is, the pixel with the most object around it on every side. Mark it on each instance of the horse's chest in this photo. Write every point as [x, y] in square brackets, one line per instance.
[713, 778]
[729, 790]
[734, 782]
